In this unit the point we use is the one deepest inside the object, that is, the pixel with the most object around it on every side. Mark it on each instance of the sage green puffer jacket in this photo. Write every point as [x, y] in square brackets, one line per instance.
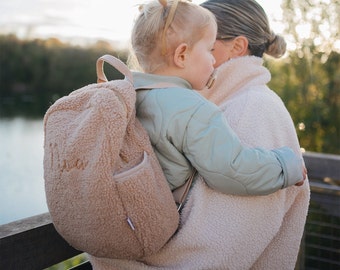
[187, 130]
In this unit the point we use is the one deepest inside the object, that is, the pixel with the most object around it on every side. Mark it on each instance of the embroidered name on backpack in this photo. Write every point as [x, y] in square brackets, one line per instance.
[64, 164]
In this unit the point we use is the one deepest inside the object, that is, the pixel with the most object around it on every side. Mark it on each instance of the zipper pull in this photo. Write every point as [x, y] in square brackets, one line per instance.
[130, 223]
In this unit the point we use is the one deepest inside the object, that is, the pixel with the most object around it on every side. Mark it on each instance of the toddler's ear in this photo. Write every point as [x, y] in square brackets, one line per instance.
[180, 55]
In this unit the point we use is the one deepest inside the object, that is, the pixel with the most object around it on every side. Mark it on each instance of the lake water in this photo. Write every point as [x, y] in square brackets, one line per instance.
[21, 169]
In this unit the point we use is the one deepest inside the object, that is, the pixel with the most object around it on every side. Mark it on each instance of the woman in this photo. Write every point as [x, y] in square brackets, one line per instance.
[257, 115]
[221, 231]
[233, 232]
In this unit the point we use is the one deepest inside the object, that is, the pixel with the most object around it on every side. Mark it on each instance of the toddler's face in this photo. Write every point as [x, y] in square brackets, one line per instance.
[201, 59]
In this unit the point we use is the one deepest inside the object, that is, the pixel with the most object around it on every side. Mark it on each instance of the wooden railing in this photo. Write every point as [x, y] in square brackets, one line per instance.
[33, 243]
[320, 247]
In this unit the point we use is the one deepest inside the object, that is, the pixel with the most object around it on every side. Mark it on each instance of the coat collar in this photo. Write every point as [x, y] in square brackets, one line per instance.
[142, 79]
[235, 75]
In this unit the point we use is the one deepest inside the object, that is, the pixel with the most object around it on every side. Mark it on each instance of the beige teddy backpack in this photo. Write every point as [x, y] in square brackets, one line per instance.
[105, 190]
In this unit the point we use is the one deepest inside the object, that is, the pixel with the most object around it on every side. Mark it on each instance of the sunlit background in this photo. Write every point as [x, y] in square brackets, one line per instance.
[79, 21]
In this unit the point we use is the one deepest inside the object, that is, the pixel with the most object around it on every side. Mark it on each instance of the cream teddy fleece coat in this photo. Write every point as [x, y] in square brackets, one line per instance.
[231, 232]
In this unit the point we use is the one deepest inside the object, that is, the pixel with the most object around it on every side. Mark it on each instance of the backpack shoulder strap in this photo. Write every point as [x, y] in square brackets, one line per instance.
[122, 68]
[180, 193]
[116, 63]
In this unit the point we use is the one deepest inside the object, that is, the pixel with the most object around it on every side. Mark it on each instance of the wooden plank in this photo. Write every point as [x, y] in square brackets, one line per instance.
[320, 166]
[32, 243]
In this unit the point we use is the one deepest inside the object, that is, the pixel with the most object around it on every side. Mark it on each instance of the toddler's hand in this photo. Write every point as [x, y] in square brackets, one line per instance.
[304, 174]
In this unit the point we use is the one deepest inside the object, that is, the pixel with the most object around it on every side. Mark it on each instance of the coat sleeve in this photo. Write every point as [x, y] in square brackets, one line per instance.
[216, 152]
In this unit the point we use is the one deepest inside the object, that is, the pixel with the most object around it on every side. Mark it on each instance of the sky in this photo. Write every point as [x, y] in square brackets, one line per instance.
[76, 20]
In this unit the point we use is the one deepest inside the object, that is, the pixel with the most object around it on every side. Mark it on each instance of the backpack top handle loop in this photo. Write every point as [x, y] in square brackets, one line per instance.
[116, 63]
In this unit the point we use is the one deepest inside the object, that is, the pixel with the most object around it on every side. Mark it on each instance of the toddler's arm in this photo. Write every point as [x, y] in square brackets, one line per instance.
[227, 166]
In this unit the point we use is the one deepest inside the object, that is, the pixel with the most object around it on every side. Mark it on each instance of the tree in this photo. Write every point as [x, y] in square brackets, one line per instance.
[312, 26]
[308, 80]
[34, 73]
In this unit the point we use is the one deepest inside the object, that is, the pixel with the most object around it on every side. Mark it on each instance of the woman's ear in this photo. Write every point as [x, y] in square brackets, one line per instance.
[180, 55]
[240, 46]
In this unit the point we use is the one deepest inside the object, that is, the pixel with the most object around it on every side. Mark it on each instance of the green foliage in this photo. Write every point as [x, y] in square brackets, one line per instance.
[312, 25]
[69, 263]
[310, 91]
[308, 80]
[33, 74]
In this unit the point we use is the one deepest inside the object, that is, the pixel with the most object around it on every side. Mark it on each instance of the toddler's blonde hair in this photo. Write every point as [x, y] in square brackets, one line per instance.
[152, 42]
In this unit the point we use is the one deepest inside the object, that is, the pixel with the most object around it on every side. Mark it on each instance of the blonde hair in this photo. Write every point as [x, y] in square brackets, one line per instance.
[161, 27]
[246, 18]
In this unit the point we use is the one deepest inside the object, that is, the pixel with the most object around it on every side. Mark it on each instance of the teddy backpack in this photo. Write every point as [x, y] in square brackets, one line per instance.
[105, 190]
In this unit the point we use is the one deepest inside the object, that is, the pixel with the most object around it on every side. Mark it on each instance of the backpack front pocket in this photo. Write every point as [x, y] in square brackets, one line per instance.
[148, 213]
